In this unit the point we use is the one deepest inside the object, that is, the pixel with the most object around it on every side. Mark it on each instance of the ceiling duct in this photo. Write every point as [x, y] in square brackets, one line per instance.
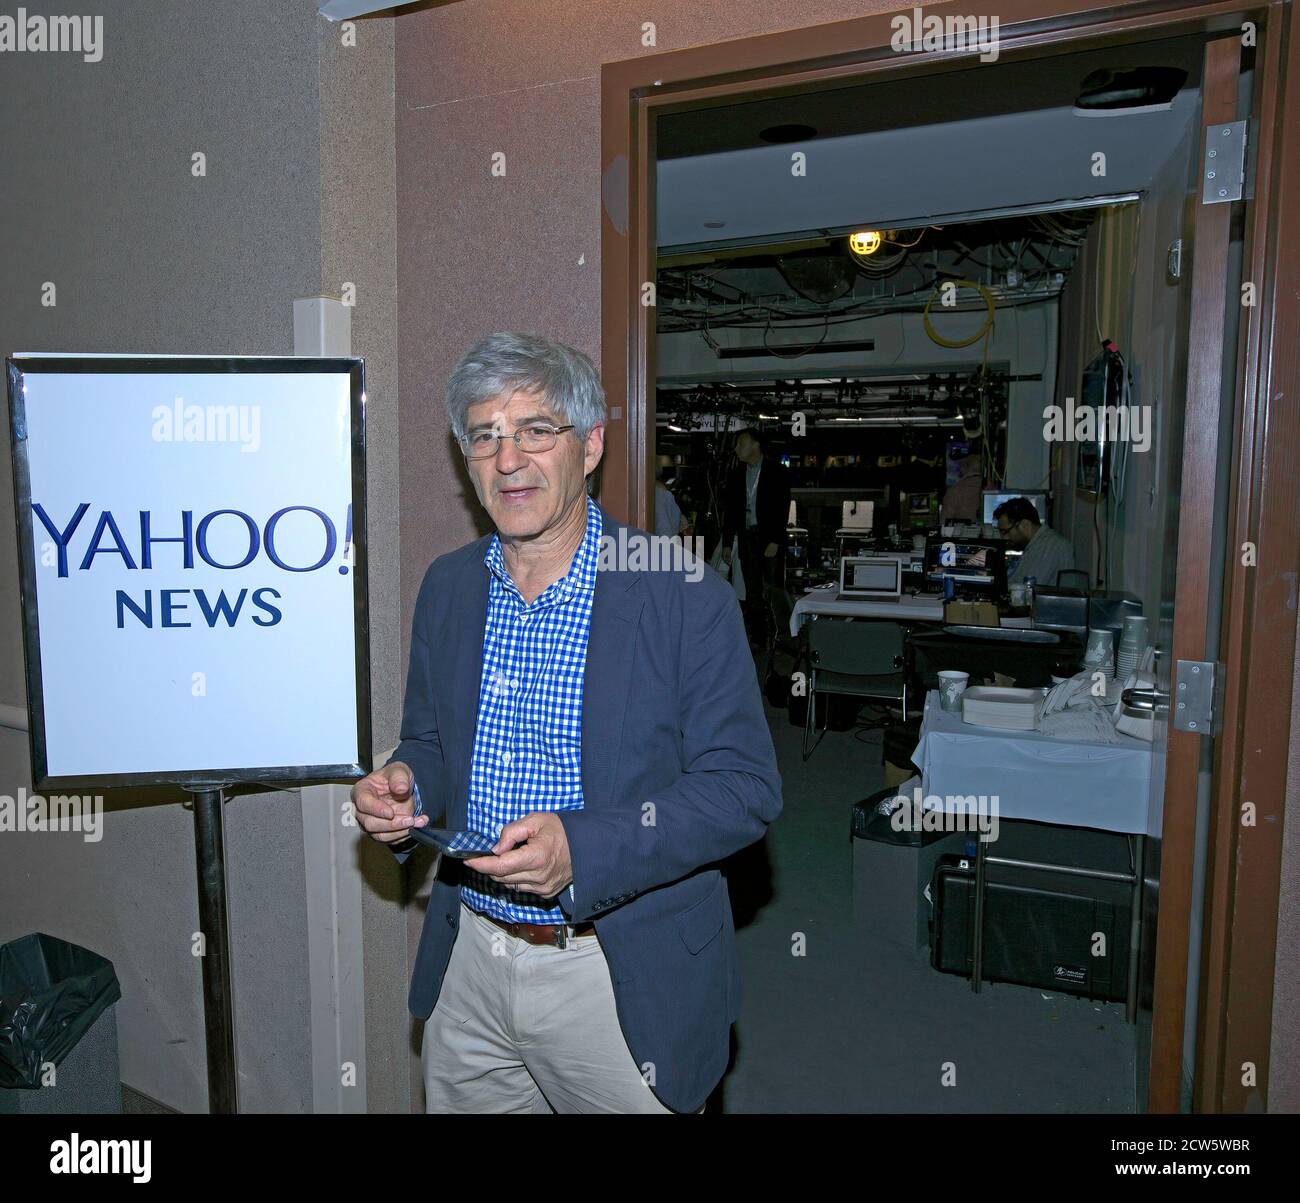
[820, 278]
[777, 350]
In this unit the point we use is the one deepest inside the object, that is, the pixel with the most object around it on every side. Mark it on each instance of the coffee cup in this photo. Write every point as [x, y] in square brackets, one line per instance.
[952, 684]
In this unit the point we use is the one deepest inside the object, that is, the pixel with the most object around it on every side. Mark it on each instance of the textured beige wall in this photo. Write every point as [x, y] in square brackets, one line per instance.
[99, 198]
[358, 220]
[299, 197]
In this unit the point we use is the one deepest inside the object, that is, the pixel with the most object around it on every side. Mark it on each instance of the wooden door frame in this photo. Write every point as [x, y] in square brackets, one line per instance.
[1258, 632]
[1258, 626]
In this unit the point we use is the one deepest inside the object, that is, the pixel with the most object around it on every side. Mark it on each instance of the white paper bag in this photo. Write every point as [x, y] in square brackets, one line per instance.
[732, 573]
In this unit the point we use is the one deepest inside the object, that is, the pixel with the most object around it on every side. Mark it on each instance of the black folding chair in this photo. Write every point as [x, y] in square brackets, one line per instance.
[862, 659]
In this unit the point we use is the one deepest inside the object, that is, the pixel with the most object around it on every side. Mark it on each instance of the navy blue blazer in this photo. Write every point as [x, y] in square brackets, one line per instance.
[678, 772]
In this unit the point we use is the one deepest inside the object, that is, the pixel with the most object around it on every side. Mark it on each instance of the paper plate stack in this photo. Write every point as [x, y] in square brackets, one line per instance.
[1005, 709]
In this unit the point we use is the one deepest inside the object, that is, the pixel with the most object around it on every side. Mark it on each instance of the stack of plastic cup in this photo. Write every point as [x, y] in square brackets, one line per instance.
[1132, 644]
[1100, 656]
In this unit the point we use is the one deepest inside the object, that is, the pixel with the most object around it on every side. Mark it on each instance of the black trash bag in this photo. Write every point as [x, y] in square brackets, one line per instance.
[777, 689]
[51, 992]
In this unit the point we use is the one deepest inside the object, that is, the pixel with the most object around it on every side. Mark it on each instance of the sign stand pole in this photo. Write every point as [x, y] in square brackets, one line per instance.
[214, 924]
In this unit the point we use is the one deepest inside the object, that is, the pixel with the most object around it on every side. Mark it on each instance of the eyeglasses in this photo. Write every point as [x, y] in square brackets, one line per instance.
[537, 436]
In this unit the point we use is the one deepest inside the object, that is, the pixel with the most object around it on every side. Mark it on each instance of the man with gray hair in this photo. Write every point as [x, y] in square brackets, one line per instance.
[602, 727]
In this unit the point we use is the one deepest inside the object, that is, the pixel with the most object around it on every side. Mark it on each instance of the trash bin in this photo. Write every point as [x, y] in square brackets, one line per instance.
[891, 870]
[58, 1030]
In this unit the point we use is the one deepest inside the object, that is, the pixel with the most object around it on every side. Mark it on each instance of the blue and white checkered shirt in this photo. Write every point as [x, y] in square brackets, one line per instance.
[528, 745]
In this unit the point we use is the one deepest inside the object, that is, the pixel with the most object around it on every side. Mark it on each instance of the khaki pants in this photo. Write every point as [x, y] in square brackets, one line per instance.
[527, 1028]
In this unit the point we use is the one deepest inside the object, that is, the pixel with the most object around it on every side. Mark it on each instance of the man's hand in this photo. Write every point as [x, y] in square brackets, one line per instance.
[770, 550]
[542, 867]
[726, 556]
[385, 803]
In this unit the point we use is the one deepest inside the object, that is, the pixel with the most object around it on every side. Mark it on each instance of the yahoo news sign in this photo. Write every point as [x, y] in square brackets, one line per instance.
[192, 539]
[196, 543]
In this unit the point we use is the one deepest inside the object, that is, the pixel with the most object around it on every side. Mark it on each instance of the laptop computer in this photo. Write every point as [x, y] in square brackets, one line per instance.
[870, 577]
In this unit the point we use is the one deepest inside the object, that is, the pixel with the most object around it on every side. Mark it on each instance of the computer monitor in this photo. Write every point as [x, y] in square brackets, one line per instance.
[994, 498]
[918, 511]
[870, 576]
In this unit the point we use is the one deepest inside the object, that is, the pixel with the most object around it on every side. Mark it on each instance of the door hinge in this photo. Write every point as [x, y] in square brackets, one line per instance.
[1223, 173]
[1197, 705]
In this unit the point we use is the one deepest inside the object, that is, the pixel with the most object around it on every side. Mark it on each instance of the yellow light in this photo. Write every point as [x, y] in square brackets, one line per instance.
[864, 242]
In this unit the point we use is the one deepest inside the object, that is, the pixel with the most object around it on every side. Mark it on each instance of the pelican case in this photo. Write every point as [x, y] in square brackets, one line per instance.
[1041, 929]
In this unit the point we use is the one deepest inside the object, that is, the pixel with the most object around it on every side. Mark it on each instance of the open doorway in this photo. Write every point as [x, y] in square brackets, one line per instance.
[735, 313]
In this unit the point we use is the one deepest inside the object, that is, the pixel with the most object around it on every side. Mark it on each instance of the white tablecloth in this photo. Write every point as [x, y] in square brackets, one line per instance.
[824, 601]
[1070, 782]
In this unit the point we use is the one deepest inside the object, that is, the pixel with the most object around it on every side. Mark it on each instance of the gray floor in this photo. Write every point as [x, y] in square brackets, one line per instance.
[853, 1026]
[135, 1103]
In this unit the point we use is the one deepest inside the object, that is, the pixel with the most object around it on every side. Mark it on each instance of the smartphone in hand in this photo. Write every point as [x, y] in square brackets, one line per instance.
[460, 844]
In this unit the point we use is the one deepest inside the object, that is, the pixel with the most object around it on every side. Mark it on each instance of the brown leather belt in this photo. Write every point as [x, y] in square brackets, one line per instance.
[554, 935]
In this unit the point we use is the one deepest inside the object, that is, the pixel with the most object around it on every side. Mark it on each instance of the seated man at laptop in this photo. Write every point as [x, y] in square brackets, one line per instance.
[1044, 552]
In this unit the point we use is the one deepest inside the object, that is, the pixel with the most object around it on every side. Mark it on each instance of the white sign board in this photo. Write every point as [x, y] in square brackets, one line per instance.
[191, 537]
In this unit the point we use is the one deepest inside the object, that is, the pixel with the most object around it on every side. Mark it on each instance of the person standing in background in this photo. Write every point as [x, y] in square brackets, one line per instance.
[669, 519]
[757, 510]
[961, 503]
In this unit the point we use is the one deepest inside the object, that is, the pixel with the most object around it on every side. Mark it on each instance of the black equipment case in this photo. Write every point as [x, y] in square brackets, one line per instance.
[1040, 928]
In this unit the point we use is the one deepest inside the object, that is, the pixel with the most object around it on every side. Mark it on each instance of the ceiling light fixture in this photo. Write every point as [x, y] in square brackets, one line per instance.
[864, 242]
